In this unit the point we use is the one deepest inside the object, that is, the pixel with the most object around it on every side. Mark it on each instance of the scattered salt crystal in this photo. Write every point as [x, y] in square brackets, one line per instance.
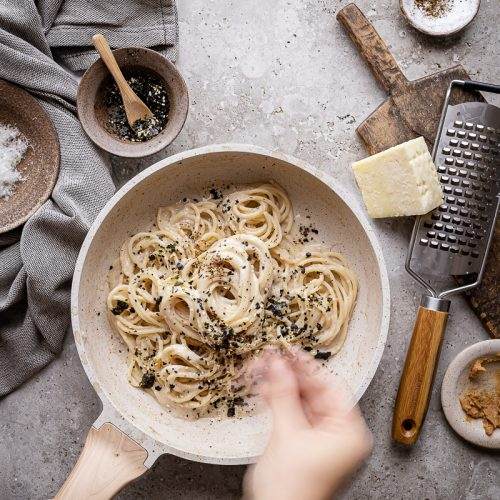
[456, 58]
[13, 146]
[402, 34]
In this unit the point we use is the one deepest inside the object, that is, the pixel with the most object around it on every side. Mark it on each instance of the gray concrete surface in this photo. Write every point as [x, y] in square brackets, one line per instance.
[281, 74]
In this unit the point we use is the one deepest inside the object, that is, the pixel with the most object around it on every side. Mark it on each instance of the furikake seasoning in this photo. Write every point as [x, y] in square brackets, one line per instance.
[152, 91]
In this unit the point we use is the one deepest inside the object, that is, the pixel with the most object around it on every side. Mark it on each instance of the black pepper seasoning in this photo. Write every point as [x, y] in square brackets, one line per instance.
[433, 8]
[147, 381]
[153, 92]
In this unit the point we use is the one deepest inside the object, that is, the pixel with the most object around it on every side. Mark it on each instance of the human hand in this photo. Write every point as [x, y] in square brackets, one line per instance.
[317, 440]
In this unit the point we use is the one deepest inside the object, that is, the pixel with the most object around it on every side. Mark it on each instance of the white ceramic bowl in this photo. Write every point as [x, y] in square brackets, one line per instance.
[454, 382]
[456, 16]
[340, 221]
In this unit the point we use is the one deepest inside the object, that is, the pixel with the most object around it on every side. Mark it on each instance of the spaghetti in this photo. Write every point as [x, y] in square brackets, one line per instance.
[213, 283]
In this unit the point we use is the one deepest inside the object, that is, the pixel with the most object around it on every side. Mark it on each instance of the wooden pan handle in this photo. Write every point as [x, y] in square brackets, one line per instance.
[415, 386]
[109, 461]
[372, 48]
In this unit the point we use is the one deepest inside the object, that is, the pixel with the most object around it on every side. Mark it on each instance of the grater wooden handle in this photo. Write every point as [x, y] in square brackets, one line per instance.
[415, 386]
[372, 48]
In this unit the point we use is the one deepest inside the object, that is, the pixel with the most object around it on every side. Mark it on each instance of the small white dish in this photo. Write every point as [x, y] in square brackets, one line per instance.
[455, 380]
[457, 15]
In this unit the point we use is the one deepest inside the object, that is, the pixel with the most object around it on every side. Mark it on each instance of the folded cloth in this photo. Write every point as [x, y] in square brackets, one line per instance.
[37, 261]
[70, 24]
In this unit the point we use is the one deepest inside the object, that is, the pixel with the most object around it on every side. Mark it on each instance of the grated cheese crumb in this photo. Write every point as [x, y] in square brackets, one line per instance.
[13, 146]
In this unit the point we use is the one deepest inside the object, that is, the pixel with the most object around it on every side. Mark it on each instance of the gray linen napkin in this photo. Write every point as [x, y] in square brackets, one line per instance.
[143, 23]
[37, 261]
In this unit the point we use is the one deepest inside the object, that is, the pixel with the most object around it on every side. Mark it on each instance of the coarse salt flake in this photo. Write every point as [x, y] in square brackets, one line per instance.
[13, 146]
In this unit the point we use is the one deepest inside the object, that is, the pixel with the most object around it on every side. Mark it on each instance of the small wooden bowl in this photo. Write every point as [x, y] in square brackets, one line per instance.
[39, 166]
[91, 108]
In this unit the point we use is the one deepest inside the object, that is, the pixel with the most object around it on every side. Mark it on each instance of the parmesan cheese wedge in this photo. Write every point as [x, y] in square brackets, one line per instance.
[399, 181]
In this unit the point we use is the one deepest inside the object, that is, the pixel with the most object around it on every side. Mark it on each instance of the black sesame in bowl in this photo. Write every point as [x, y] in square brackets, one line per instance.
[152, 91]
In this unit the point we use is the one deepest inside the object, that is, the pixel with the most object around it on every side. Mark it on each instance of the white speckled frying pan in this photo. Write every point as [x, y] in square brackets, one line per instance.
[133, 429]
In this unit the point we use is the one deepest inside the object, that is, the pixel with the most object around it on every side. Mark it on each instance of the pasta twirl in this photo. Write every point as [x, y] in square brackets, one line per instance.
[213, 283]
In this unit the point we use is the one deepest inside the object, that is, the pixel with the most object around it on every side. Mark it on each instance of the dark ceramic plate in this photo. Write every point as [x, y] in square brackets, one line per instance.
[40, 164]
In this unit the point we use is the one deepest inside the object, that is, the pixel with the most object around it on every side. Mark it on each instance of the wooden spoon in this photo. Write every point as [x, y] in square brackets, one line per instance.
[135, 109]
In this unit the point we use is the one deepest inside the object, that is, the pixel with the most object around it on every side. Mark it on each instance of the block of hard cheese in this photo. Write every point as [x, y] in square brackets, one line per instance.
[399, 181]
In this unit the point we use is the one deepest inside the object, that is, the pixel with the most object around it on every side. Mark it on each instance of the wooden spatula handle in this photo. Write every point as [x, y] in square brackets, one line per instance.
[102, 46]
[415, 386]
[109, 460]
[372, 48]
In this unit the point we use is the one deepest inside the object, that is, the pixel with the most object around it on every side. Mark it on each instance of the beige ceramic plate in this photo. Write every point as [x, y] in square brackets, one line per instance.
[454, 382]
[40, 164]
[341, 223]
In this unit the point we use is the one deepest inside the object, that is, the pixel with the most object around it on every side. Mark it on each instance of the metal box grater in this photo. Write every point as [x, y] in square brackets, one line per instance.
[452, 240]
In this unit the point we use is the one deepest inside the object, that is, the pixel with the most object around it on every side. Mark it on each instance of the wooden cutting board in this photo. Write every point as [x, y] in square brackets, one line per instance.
[413, 109]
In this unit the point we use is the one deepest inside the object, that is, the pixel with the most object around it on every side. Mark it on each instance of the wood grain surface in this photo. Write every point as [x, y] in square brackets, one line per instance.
[109, 460]
[413, 109]
[372, 48]
[485, 299]
[416, 381]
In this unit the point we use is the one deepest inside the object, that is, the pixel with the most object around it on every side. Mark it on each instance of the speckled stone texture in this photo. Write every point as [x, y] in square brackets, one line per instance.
[282, 74]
